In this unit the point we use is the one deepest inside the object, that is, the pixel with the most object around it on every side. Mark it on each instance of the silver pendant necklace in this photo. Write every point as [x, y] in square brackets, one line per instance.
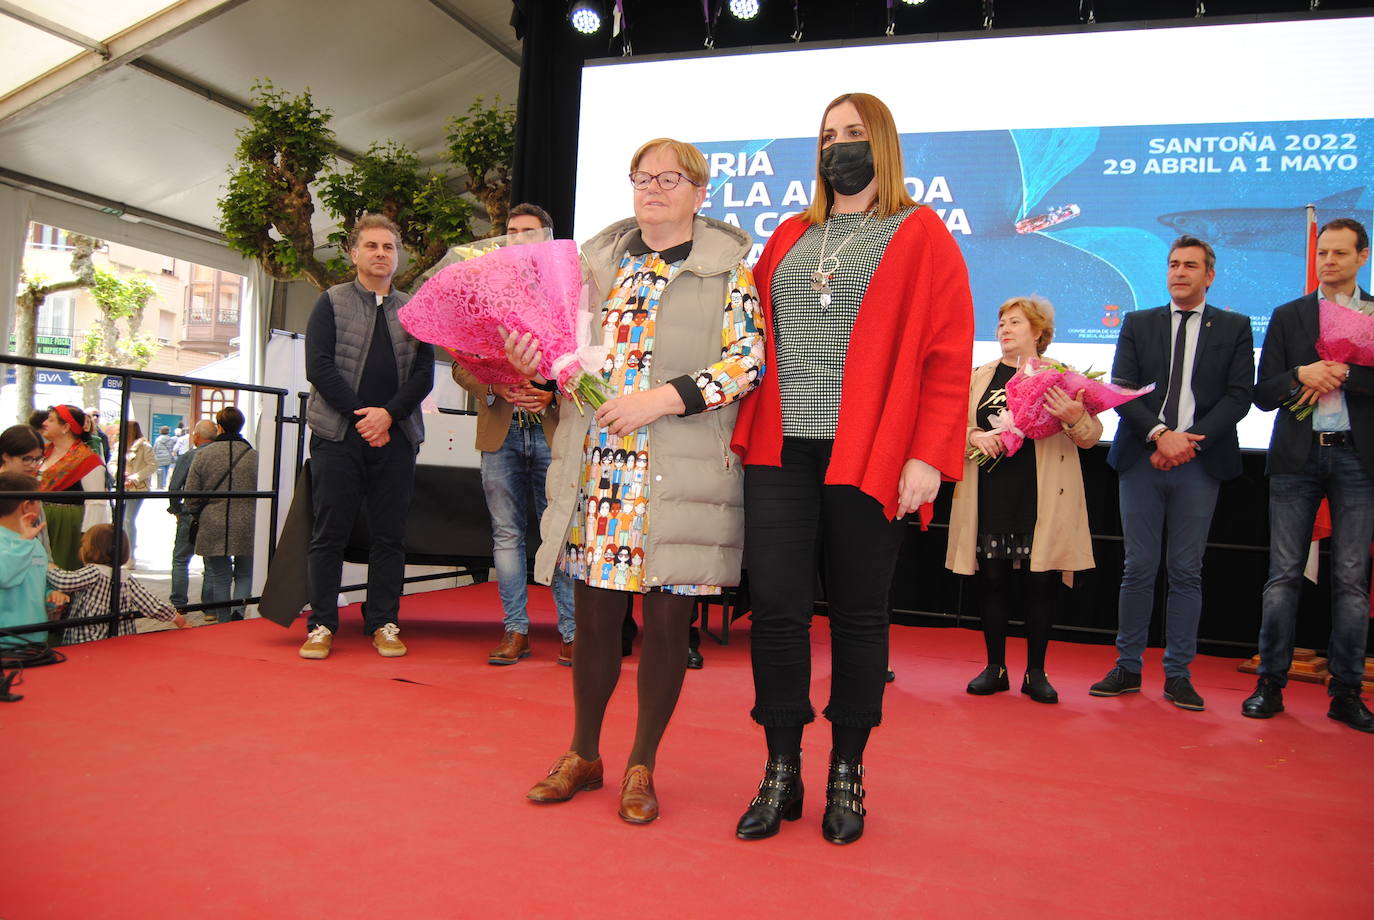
[829, 264]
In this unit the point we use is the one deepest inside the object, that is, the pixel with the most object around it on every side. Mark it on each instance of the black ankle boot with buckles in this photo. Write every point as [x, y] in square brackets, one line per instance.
[844, 801]
[779, 798]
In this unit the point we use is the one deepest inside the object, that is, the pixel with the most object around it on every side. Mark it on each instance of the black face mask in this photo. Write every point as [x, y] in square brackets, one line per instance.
[848, 167]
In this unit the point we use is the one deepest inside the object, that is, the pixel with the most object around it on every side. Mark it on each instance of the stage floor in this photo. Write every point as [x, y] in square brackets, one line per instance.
[214, 773]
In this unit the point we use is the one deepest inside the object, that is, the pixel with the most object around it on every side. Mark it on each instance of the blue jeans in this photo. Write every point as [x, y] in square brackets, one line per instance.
[219, 571]
[131, 507]
[509, 477]
[1335, 472]
[1179, 501]
[183, 548]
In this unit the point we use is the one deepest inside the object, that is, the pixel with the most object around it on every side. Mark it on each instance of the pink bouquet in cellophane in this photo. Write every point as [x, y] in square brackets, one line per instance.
[534, 288]
[1026, 415]
[1343, 335]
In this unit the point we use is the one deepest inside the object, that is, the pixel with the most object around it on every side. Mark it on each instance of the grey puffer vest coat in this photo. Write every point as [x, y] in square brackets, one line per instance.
[696, 493]
[354, 323]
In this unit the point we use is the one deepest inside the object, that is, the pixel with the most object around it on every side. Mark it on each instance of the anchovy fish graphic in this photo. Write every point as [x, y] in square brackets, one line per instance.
[1270, 229]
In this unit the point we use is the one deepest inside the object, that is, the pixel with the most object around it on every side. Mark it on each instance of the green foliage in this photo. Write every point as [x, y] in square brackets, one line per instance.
[289, 131]
[386, 175]
[483, 143]
[266, 209]
[121, 298]
[483, 138]
[388, 180]
[268, 203]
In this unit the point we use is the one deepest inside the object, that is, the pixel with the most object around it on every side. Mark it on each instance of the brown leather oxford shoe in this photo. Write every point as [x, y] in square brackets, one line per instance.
[638, 802]
[567, 777]
[513, 647]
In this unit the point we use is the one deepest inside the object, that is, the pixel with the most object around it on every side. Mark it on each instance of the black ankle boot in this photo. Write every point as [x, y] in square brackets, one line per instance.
[990, 680]
[1038, 687]
[844, 801]
[779, 798]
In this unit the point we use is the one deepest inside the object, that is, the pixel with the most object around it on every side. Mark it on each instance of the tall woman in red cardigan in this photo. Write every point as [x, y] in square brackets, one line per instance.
[859, 416]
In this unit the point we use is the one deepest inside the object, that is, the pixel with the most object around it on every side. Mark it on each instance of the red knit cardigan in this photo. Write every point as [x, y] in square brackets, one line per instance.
[905, 389]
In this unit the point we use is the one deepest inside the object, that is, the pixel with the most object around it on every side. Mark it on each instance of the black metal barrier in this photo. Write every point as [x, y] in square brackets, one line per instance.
[119, 494]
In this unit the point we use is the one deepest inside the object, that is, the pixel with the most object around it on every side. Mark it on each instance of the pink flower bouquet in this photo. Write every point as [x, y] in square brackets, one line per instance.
[1026, 415]
[534, 288]
[1344, 335]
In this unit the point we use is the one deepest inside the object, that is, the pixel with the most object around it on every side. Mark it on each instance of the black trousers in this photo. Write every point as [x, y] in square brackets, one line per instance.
[789, 515]
[344, 475]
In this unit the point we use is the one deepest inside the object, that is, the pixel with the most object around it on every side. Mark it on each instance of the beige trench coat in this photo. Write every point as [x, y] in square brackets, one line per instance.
[1062, 541]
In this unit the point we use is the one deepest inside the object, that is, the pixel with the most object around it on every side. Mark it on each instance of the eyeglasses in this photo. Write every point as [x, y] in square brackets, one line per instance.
[666, 180]
[30, 460]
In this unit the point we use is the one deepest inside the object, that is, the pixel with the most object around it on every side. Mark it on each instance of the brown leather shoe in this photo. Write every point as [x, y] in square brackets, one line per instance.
[565, 655]
[513, 647]
[638, 802]
[567, 777]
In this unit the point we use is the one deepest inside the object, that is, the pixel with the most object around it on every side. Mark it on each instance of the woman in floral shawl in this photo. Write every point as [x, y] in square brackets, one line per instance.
[70, 465]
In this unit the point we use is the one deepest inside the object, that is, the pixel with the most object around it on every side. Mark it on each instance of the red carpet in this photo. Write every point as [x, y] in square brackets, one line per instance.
[213, 773]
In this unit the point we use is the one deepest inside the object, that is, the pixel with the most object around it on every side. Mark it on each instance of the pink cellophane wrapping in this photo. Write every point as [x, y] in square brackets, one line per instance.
[1346, 335]
[530, 288]
[1026, 399]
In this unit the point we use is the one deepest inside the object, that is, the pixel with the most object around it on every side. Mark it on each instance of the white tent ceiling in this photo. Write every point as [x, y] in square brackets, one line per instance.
[145, 123]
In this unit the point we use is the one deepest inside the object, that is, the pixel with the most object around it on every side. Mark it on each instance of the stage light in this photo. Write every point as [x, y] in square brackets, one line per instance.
[913, 2]
[585, 17]
[744, 9]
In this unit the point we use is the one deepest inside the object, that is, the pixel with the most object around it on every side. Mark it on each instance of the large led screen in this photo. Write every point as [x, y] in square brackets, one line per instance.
[1064, 164]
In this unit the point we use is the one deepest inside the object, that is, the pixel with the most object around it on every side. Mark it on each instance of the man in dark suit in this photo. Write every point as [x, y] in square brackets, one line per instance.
[1173, 449]
[1329, 453]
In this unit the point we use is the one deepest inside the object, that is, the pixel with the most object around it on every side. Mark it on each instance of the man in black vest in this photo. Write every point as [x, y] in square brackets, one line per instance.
[1173, 449]
[368, 377]
[1329, 453]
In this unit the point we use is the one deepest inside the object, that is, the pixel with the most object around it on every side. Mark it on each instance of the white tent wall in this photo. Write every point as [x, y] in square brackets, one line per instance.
[15, 206]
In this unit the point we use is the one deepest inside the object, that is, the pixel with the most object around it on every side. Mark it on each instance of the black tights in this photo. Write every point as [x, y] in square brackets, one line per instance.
[600, 615]
[997, 581]
[847, 741]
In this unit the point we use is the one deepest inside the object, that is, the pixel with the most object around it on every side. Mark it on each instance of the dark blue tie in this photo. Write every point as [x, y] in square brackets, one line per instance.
[1176, 371]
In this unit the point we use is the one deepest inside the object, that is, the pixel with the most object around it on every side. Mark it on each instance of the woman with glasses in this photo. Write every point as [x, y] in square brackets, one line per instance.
[70, 465]
[870, 328]
[689, 539]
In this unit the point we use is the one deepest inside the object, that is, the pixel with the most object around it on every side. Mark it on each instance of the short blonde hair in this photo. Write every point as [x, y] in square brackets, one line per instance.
[1039, 313]
[692, 160]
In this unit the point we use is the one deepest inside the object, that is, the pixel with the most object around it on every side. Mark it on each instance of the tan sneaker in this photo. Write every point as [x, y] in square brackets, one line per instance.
[387, 641]
[318, 643]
